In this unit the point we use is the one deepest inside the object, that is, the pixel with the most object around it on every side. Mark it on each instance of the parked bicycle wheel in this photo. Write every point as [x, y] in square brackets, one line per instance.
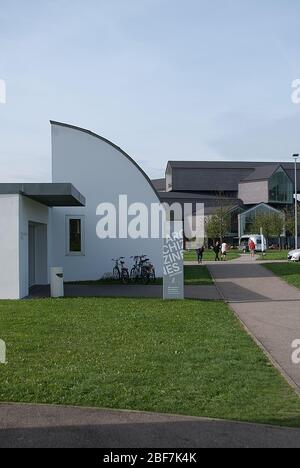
[145, 275]
[116, 274]
[134, 274]
[152, 276]
[125, 276]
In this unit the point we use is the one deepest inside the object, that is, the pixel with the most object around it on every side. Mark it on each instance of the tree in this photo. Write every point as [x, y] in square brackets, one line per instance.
[272, 224]
[218, 225]
[290, 221]
[278, 226]
[212, 227]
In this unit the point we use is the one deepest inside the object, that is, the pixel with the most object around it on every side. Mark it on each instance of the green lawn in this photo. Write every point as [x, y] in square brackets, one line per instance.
[290, 272]
[193, 275]
[274, 255]
[209, 255]
[197, 274]
[187, 357]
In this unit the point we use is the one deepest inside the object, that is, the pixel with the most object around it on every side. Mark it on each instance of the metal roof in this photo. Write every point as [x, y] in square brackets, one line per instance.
[230, 164]
[49, 194]
[159, 184]
[262, 173]
[219, 176]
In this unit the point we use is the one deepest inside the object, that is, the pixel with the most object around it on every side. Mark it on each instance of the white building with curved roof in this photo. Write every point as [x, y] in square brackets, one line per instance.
[102, 172]
[56, 224]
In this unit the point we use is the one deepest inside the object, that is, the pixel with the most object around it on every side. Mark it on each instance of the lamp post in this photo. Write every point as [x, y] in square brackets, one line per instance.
[296, 156]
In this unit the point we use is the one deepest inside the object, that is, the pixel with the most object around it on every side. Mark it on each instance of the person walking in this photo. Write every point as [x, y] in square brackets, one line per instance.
[252, 248]
[224, 249]
[200, 252]
[216, 249]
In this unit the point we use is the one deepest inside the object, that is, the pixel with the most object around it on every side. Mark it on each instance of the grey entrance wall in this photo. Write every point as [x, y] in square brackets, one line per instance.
[37, 254]
[31, 255]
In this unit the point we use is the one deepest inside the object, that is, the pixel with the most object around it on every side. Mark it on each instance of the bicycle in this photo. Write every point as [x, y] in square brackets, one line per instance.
[135, 270]
[120, 272]
[142, 269]
[150, 270]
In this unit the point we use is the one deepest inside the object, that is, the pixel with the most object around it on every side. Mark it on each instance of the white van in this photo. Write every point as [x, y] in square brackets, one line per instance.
[257, 239]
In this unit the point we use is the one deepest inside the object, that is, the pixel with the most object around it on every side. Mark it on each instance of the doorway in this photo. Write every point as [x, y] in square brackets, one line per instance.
[31, 254]
[37, 254]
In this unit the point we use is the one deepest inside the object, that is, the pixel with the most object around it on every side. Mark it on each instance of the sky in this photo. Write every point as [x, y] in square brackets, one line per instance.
[162, 79]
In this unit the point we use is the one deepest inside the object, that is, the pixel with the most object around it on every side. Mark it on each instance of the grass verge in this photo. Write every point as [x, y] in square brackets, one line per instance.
[289, 272]
[193, 275]
[274, 255]
[186, 357]
[208, 256]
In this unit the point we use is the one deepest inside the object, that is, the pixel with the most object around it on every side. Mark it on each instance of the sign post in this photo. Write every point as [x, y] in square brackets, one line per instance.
[173, 270]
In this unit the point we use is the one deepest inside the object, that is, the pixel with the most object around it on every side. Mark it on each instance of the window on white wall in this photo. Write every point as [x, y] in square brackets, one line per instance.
[75, 235]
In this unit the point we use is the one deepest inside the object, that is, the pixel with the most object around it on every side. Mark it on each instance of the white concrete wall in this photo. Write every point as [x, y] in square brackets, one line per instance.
[100, 172]
[9, 247]
[32, 211]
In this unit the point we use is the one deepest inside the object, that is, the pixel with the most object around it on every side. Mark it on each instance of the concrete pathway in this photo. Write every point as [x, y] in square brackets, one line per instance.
[267, 306]
[57, 426]
[242, 259]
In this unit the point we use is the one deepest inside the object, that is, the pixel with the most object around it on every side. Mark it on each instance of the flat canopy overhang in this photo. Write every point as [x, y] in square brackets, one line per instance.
[56, 194]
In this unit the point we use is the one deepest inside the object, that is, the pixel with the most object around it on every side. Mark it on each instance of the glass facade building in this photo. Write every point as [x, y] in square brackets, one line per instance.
[247, 218]
[280, 188]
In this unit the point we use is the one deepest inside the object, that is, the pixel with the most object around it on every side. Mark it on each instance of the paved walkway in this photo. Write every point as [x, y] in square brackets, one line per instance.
[57, 426]
[268, 306]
